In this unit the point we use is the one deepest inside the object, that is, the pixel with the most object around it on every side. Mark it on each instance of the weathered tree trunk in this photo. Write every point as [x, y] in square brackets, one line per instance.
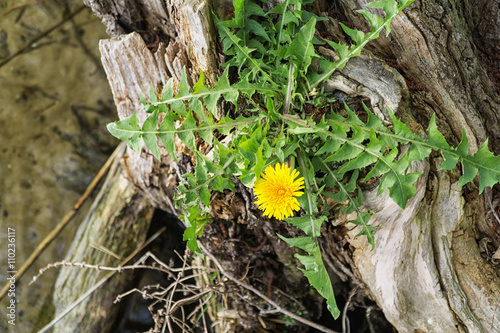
[136, 61]
[114, 227]
[426, 272]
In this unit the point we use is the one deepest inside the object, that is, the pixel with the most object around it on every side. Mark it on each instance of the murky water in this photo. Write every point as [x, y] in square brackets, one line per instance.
[54, 104]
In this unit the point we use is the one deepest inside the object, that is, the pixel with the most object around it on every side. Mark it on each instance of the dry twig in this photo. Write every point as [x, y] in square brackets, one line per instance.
[264, 297]
[42, 35]
[47, 327]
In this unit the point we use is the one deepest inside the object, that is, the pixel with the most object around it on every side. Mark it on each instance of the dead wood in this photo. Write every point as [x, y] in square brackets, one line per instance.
[115, 226]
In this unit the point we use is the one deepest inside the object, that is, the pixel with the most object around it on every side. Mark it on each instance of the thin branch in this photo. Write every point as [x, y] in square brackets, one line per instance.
[329, 263]
[23, 5]
[47, 327]
[488, 195]
[346, 326]
[265, 298]
[188, 300]
[42, 35]
[118, 269]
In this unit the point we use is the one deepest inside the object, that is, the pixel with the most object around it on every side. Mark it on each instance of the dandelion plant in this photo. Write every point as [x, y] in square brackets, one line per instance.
[272, 53]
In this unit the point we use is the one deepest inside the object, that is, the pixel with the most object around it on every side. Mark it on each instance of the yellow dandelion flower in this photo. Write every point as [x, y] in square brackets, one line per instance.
[276, 191]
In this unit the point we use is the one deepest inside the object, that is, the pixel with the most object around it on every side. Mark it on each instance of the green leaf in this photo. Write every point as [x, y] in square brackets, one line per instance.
[469, 172]
[302, 48]
[249, 147]
[309, 224]
[356, 35]
[304, 243]
[177, 104]
[260, 161]
[488, 165]
[289, 17]
[361, 161]
[450, 160]
[315, 270]
[463, 147]
[187, 136]
[201, 175]
[254, 9]
[279, 143]
[194, 227]
[208, 134]
[167, 137]
[149, 134]
[401, 130]
[418, 152]
[256, 28]
[342, 51]
[375, 21]
[270, 108]
[404, 3]
[200, 85]
[127, 130]
[280, 9]
[366, 230]
[331, 146]
[233, 45]
[346, 152]
[400, 187]
[152, 94]
[434, 137]
[168, 90]
[390, 8]
[239, 17]
[365, 158]
[320, 280]
[345, 53]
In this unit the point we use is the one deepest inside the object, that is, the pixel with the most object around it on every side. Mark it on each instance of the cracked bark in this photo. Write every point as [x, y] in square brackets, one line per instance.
[426, 271]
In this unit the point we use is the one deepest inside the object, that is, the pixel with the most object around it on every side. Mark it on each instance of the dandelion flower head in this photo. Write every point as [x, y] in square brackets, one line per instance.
[276, 190]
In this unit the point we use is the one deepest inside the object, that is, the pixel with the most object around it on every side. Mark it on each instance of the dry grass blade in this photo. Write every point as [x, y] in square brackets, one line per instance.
[23, 5]
[47, 327]
[42, 35]
[68, 217]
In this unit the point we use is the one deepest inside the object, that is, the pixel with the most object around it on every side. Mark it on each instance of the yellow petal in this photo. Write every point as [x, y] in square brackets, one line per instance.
[276, 190]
